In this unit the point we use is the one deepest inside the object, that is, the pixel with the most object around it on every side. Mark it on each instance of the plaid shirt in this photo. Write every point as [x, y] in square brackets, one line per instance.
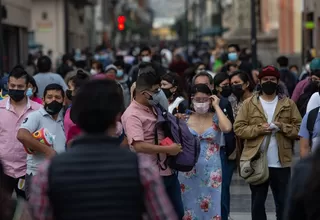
[157, 203]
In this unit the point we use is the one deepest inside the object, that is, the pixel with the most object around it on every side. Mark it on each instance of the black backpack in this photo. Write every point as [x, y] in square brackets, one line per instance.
[311, 121]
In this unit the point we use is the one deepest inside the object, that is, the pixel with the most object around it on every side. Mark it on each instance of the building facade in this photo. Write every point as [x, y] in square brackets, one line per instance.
[48, 26]
[311, 13]
[15, 32]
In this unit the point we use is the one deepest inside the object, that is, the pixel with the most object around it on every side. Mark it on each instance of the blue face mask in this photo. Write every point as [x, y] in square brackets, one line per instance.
[119, 73]
[233, 56]
[29, 92]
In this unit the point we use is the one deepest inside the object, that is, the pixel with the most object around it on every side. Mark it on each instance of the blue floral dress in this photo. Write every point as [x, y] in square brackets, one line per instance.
[201, 187]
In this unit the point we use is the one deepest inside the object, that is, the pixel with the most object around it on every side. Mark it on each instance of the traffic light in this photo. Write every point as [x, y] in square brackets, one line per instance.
[121, 22]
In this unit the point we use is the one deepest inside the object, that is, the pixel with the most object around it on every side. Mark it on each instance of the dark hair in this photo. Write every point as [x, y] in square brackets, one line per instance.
[18, 72]
[147, 78]
[91, 109]
[119, 63]
[219, 78]
[203, 88]
[67, 57]
[44, 64]
[236, 46]
[145, 49]
[34, 84]
[80, 79]
[53, 86]
[245, 78]
[99, 64]
[175, 80]
[202, 73]
[283, 61]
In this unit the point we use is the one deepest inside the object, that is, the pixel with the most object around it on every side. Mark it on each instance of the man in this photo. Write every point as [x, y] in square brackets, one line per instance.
[314, 101]
[49, 117]
[13, 111]
[4, 87]
[269, 121]
[123, 79]
[96, 178]
[139, 121]
[286, 76]
[45, 77]
[145, 56]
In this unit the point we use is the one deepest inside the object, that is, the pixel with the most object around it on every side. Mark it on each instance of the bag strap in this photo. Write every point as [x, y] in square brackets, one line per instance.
[156, 141]
[311, 120]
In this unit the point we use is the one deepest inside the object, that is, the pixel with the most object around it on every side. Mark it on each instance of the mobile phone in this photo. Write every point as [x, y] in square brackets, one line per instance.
[166, 142]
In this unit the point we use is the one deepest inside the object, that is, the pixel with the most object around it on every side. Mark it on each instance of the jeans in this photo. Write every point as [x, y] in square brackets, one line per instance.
[228, 166]
[15, 184]
[173, 190]
[278, 181]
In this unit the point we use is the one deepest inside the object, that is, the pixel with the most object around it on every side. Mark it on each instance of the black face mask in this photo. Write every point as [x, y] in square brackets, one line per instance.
[167, 92]
[69, 94]
[269, 87]
[237, 90]
[16, 94]
[226, 91]
[53, 107]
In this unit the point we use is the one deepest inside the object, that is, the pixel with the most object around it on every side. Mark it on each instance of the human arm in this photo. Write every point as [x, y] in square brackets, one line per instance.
[39, 201]
[304, 138]
[24, 135]
[157, 203]
[224, 123]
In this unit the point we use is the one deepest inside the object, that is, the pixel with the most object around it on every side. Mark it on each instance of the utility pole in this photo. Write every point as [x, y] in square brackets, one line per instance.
[66, 25]
[220, 17]
[253, 34]
[187, 22]
[1, 41]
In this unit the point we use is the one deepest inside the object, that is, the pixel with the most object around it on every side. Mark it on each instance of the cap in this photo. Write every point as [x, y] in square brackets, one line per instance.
[315, 64]
[269, 71]
[4, 85]
[110, 67]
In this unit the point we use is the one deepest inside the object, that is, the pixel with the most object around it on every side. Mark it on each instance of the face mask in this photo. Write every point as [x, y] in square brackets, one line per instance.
[16, 95]
[167, 92]
[53, 107]
[146, 59]
[269, 87]
[29, 92]
[119, 73]
[159, 98]
[69, 94]
[237, 91]
[201, 108]
[93, 72]
[233, 56]
[226, 91]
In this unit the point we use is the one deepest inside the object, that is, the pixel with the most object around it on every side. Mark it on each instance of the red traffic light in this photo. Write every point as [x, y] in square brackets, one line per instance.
[121, 19]
[120, 27]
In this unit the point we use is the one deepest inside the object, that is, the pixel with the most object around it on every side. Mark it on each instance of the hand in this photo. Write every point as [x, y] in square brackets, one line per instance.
[266, 129]
[174, 149]
[278, 124]
[215, 100]
[50, 153]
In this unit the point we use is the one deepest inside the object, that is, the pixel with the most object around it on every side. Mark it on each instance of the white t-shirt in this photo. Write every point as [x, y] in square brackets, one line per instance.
[273, 151]
[314, 102]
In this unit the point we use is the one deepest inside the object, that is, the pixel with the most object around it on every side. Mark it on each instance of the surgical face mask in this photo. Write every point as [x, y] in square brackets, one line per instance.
[119, 73]
[53, 107]
[237, 90]
[93, 72]
[226, 91]
[201, 108]
[29, 92]
[269, 87]
[16, 94]
[233, 56]
[159, 98]
[146, 59]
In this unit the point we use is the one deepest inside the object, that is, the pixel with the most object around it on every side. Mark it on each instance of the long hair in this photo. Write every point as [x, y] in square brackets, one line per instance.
[175, 80]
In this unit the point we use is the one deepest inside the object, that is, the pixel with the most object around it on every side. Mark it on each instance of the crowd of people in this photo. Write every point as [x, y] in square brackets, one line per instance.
[87, 141]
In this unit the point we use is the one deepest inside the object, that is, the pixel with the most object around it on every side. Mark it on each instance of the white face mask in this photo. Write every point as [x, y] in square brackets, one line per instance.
[146, 59]
[93, 72]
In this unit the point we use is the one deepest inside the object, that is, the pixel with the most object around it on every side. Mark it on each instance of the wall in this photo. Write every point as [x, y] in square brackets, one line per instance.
[18, 12]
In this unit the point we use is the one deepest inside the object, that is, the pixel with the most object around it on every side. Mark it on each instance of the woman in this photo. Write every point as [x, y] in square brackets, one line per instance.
[201, 187]
[242, 88]
[32, 91]
[172, 88]
[96, 68]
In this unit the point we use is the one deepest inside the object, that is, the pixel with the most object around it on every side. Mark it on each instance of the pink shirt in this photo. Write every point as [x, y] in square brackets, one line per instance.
[12, 153]
[139, 123]
[300, 89]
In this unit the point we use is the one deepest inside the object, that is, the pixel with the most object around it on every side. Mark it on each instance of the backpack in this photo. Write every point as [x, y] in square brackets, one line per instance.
[311, 121]
[179, 132]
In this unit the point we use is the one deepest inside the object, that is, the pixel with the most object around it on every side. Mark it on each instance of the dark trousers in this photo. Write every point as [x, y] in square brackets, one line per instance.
[228, 167]
[27, 187]
[11, 184]
[278, 181]
[173, 189]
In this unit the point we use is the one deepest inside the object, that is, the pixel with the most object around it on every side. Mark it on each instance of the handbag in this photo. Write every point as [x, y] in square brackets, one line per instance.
[256, 171]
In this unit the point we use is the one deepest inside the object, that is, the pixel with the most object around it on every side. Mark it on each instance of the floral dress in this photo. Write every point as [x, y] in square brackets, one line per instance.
[201, 187]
